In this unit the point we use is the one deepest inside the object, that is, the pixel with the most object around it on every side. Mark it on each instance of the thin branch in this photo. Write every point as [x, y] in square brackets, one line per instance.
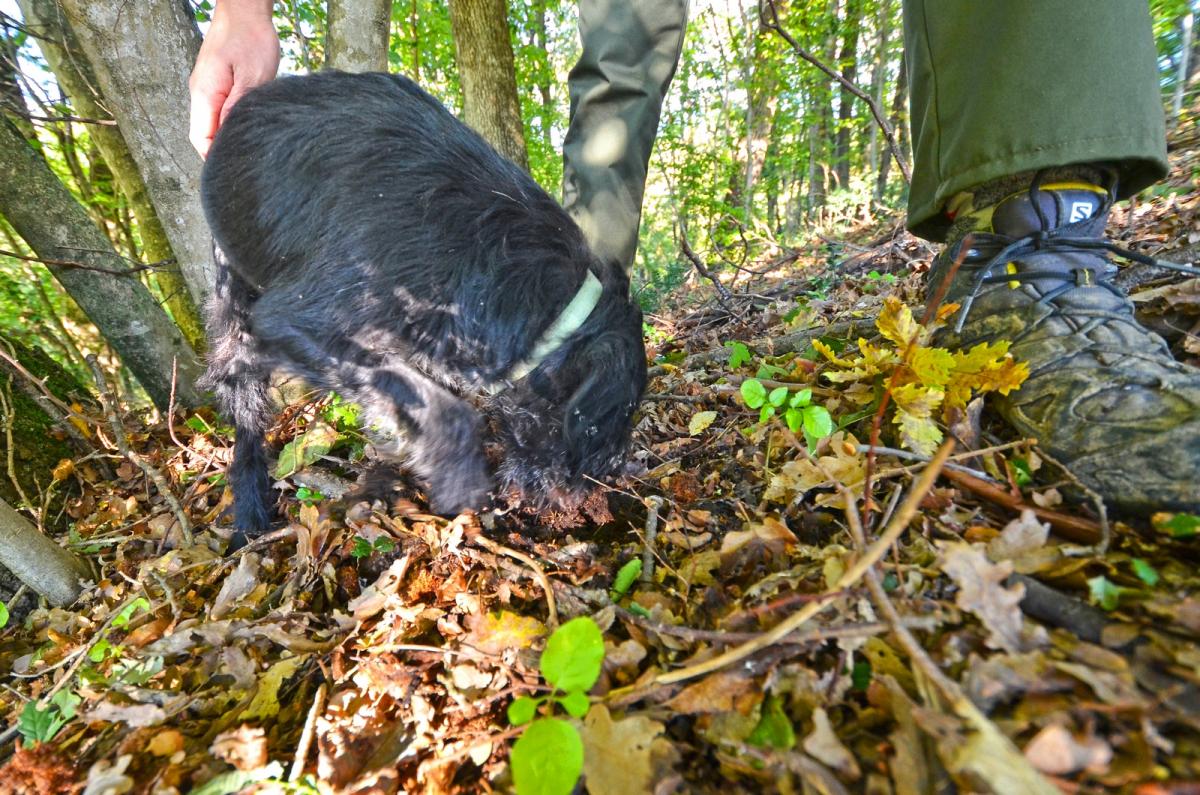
[771, 22]
[723, 294]
[66, 263]
[156, 477]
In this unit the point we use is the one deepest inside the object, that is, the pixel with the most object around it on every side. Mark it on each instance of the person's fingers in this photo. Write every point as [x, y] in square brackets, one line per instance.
[206, 110]
[234, 95]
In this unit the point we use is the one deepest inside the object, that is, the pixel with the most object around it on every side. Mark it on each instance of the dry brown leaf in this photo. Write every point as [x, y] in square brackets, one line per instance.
[1055, 751]
[237, 585]
[244, 747]
[133, 715]
[1019, 537]
[618, 756]
[824, 746]
[494, 632]
[715, 693]
[982, 592]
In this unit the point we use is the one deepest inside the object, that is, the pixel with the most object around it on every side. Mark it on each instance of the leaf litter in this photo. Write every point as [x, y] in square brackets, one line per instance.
[374, 647]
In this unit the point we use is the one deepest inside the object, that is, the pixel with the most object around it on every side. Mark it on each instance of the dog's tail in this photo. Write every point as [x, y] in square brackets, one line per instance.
[239, 379]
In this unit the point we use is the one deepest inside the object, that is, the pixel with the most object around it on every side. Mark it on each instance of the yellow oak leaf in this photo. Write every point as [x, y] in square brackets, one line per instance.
[829, 354]
[897, 324]
[931, 366]
[915, 405]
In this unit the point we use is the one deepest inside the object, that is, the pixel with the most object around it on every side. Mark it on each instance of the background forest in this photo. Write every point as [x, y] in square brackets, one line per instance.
[398, 649]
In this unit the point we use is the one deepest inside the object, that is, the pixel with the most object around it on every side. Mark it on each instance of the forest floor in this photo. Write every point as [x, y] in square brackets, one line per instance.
[956, 625]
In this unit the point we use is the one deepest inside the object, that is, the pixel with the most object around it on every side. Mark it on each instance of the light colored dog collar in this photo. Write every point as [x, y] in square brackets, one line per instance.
[568, 322]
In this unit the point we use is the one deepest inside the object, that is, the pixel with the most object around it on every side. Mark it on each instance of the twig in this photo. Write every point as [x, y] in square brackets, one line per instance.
[67, 263]
[538, 573]
[848, 579]
[1101, 511]
[1072, 528]
[888, 133]
[723, 294]
[306, 737]
[156, 477]
[6, 408]
[1014, 770]
[787, 343]
[653, 504]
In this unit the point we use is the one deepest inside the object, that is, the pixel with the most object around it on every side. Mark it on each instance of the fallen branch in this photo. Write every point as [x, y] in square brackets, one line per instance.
[723, 294]
[1072, 528]
[849, 578]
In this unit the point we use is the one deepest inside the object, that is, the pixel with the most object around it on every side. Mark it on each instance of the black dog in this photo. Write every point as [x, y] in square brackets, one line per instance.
[370, 243]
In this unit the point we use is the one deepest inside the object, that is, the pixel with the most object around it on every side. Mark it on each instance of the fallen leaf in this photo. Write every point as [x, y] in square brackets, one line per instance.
[715, 693]
[265, 703]
[244, 747]
[236, 586]
[1055, 751]
[982, 592]
[165, 743]
[494, 632]
[824, 746]
[133, 715]
[700, 421]
[618, 756]
[1019, 537]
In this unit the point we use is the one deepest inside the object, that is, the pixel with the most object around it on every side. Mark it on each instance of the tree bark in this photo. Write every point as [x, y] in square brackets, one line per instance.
[142, 55]
[484, 54]
[357, 38]
[76, 78]
[1187, 31]
[56, 226]
[899, 100]
[37, 561]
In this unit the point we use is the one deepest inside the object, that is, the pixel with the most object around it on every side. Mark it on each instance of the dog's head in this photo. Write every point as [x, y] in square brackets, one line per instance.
[568, 422]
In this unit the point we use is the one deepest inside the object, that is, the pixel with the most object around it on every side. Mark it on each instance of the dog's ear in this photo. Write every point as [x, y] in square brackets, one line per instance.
[596, 428]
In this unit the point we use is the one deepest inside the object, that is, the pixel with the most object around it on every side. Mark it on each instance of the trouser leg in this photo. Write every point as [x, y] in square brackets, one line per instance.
[630, 51]
[1010, 86]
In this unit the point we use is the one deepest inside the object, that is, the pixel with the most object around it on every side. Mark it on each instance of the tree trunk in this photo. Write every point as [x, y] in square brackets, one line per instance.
[37, 561]
[484, 53]
[56, 226]
[357, 37]
[760, 111]
[142, 55]
[897, 121]
[1187, 25]
[75, 77]
[848, 61]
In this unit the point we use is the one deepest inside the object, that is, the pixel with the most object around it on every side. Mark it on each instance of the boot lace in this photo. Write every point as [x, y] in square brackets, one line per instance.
[997, 250]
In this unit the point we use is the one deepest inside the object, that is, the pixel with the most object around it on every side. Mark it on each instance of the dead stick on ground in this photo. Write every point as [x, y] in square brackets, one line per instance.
[723, 294]
[848, 579]
[310, 725]
[654, 505]
[1072, 528]
[1011, 772]
[534, 566]
[156, 477]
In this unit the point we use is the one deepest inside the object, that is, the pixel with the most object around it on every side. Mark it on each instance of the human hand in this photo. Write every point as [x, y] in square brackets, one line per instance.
[241, 51]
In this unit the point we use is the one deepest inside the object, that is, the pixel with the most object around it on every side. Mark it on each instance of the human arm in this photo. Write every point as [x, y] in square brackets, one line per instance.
[241, 51]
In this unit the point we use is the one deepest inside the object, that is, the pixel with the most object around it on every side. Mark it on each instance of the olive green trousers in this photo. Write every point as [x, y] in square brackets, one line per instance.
[998, 87]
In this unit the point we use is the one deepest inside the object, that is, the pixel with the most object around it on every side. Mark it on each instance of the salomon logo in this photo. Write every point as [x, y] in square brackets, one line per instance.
[1080, 211]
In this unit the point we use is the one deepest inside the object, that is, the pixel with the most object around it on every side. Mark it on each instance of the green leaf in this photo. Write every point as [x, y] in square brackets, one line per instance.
[121, 619]
[794, 419]
[522, 710]
[778, 396]
[817, 422]
[66, 701]
[3, 615]
[576, 704]
[775, 728]
[1104, 592]
[238, 780]
[1145, 572]
[739, 354]
[573, 656]
[626, 576]
[765, 414]
[384, 544]
[1021, 472]
[547, 759]
[638, 610]
[309, 496]
[100, 650]
[860, 675]
[305, 449]
[1181, 525]
[39, 725]
[700, 421]
[361, 548]
[801, 398]
[769, 371]
[754, 393]
[137, 672]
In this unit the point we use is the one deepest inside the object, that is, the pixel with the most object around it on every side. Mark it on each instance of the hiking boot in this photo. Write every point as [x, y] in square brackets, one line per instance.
[1104, 395]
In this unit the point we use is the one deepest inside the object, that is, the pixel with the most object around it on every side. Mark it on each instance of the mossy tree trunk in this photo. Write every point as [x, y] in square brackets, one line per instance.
[57, 227]
[141, 54]
[47, 23]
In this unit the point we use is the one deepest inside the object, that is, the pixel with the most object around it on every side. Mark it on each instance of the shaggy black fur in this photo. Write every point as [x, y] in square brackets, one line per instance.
[369, 242]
